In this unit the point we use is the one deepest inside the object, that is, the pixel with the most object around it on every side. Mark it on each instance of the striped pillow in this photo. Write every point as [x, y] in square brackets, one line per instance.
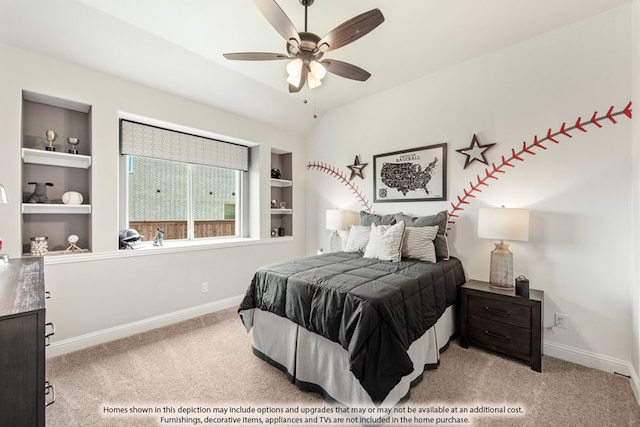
[418, 243]
[440, 219]
[358, 238]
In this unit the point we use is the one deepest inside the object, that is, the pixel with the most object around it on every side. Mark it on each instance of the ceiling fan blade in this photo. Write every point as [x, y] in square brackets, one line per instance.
[344, 69]
[255, 56]
[351, 30]
[279, 20]
[303, 80]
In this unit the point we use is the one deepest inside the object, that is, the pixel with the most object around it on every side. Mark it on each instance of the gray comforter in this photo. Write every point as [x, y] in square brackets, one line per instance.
[373, 309]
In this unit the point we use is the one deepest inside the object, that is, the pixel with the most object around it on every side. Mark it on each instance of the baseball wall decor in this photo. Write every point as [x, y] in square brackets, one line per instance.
[341, 177]
[494, 172]
[528, 150]
[419, 174]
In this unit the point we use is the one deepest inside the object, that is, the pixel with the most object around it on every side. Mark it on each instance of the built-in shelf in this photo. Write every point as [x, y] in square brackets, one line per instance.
[48, 208]
[281, 182]
[64, 171]
[281, 211]
[54, 158]
[281, 194]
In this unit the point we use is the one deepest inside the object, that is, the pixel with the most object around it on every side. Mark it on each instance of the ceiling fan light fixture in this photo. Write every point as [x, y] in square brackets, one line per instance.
[313, 81]
[318, 70]
[294, 69]
[295, 80]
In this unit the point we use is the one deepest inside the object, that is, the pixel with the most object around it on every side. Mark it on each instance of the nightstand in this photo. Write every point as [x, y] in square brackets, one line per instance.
[501, 321]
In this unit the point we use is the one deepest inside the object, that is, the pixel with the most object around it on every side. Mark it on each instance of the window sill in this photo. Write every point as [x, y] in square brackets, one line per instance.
[169, 247]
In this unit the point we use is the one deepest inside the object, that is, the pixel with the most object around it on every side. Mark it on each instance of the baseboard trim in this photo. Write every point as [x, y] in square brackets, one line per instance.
[595, 361]
[635, 384]
[99, 337]
[586, 358]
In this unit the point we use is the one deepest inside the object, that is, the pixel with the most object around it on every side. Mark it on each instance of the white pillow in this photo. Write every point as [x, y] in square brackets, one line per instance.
[418, 243]
[357, 238]
[385, 242]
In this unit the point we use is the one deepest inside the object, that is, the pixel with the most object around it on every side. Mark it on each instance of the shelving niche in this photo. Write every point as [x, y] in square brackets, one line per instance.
[282, 191]
[67, 172]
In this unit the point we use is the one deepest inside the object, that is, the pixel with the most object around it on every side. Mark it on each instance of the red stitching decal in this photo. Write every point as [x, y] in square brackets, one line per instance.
[507, 162]
[340, 176]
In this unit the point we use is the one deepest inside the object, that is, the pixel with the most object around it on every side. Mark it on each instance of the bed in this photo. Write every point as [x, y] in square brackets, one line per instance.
[356, 328]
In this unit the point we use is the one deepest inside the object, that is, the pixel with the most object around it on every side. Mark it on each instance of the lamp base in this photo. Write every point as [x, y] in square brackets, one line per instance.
[336, 242]
[501, 269]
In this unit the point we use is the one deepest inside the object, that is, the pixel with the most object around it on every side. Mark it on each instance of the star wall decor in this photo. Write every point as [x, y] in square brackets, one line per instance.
[356, 168]
[475, 151]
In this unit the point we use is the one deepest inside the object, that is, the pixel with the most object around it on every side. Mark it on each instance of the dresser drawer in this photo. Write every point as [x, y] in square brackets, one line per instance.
[499, 311]
[500, 337]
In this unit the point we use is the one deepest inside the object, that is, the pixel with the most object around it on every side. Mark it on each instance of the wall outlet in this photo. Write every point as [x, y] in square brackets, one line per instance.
[205, 287]
[561, 321]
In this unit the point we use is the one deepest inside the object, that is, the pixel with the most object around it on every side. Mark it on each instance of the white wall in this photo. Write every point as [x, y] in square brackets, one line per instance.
[635, 284]
[579, 190]
[108, 290]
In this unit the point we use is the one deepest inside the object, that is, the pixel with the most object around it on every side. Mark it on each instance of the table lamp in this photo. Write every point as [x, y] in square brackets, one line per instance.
[502, 224]
[338, 220]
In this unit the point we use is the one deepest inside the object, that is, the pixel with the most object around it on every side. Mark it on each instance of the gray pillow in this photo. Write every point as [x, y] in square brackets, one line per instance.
[439, 219]
[367, 218]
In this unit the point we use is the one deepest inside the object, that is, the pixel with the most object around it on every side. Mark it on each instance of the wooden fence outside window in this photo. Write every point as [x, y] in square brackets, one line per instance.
[178, 229]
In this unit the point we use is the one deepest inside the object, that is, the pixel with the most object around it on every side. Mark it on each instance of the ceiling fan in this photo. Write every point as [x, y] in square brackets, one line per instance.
[305, 49]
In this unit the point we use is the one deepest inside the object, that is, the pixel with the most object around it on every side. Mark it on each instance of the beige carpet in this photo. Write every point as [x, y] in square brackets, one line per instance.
[207, 363]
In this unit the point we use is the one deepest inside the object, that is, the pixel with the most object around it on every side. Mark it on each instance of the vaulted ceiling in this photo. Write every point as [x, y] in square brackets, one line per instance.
[177, 45]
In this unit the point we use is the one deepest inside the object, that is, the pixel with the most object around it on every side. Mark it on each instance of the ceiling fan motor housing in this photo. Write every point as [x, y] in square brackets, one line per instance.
[308, 49]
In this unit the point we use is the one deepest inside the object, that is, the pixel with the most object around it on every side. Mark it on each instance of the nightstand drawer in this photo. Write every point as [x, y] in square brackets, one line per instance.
[500, 337]
[500, 311]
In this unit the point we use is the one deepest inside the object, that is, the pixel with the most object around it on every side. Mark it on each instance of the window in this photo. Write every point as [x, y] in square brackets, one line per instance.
[185, 184]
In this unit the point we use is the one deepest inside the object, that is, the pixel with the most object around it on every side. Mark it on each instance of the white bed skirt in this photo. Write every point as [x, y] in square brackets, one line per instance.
[318, 364]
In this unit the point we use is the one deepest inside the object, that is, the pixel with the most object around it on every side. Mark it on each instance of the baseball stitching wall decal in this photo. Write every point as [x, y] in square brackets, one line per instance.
[342, 177]
[493, 172]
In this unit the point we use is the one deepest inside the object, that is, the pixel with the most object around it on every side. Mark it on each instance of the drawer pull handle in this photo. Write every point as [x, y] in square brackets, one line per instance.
[496, 311]
[47, 336]
[47, 295]
[49, 390]
[499, 336]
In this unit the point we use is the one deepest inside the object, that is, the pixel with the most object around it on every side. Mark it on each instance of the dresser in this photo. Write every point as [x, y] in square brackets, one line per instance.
[501, 321]
[22, 343]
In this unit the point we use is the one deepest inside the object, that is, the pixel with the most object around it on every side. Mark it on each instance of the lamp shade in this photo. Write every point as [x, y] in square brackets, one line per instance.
[339, 220]
[503, 224]
[3, 195]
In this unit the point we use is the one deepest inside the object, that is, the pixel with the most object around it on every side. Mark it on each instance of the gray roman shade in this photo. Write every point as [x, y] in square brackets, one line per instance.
[149, 141]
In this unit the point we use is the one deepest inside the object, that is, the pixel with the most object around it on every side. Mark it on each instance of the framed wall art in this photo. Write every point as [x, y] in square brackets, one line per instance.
[419, 174]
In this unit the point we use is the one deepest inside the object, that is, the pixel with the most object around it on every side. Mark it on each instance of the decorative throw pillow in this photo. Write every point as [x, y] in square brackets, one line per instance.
[385, 242]
[367, 218]
[418, 243]
[357, 238]
[439, 219]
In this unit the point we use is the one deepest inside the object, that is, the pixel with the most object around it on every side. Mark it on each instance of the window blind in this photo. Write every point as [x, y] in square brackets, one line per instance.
[150, 141]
